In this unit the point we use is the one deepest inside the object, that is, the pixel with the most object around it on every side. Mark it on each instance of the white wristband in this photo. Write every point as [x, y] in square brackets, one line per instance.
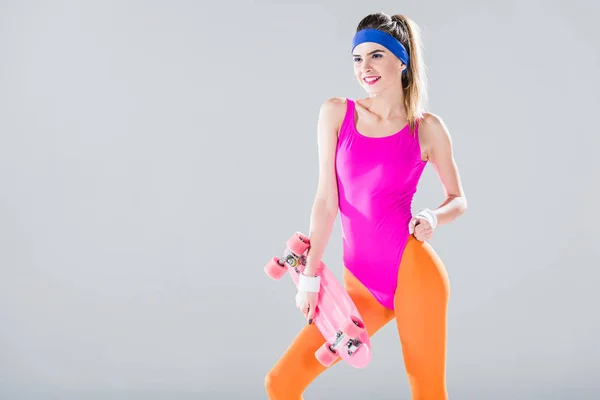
[309, 283]
[427, 214]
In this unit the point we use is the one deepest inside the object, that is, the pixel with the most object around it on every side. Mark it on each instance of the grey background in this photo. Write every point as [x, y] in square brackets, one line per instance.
[155, 155]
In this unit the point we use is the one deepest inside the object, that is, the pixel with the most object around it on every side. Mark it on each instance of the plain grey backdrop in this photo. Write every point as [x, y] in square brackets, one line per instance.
[155, 155]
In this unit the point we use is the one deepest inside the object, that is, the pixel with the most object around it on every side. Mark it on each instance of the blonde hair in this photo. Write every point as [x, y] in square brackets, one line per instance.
[414, 81]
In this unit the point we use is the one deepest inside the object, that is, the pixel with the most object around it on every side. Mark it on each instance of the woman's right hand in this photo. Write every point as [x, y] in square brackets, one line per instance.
[307, 297]
[307, 303]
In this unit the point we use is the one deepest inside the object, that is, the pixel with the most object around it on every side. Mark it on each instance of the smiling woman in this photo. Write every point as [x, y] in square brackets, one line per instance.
[372, 153]
[381, 46]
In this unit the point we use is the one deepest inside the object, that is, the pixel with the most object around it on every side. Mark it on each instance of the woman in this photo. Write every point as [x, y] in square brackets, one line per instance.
[372, 153]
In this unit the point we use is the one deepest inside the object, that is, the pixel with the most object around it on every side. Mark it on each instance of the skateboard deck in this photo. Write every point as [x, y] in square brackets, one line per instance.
[336, 315]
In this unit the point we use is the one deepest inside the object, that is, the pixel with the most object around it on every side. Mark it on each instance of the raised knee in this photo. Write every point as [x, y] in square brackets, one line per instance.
[270, 381]
[274, 386]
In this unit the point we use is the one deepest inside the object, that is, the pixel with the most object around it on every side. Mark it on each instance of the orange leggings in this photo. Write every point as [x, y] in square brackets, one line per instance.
[420, 306]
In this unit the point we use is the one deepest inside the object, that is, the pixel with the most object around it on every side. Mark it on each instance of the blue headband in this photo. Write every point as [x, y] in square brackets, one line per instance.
[384, 39]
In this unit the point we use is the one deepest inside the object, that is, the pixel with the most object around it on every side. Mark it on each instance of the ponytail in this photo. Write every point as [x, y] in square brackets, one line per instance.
[414, 82]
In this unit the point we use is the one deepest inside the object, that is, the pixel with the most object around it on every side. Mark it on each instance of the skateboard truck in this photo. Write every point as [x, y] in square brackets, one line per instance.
[298, 262]
[350, 346]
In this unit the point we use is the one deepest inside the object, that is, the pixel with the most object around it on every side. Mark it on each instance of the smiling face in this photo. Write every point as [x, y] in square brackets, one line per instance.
[376, 68]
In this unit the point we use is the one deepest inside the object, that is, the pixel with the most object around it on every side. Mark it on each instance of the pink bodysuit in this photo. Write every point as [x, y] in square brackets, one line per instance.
[377, 179]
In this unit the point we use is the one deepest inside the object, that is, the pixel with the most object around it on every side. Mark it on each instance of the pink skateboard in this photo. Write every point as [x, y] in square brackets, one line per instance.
[336, 315]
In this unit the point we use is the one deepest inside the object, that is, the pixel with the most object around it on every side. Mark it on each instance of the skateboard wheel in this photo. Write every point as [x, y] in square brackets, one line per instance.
[298, 243]
[274, 269]
[325, 355]
[353, 328]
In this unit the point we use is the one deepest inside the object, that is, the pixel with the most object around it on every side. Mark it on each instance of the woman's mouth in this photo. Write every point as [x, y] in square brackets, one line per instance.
[369, 80]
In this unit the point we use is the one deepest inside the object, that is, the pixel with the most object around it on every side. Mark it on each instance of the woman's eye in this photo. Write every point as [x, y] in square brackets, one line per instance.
[357, 59]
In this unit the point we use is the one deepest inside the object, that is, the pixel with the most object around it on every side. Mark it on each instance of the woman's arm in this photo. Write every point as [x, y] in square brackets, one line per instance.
[325, 206]
[439, 151]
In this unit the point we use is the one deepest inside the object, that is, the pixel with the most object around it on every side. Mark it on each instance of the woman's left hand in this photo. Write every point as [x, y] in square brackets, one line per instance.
[420, 228]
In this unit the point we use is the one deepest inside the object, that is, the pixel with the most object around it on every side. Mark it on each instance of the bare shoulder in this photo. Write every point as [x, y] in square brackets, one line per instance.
[433, 134]
[332, 112]
[433, 125]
